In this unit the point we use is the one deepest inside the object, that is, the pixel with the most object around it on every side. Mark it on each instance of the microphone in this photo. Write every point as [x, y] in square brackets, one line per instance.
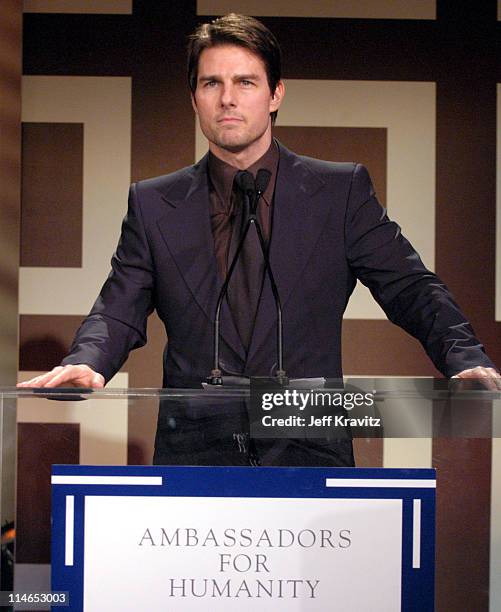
[262, 179]
[245, 182]
[253, 191]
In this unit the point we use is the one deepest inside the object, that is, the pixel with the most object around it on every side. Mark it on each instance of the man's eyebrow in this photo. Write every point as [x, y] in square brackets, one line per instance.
[236, 77]
[209, 77]
[249, 77]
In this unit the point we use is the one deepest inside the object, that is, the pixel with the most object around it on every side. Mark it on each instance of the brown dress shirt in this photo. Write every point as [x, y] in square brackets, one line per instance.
[222, 201]
[246, 283]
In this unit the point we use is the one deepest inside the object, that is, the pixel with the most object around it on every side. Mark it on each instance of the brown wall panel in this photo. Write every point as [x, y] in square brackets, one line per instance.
[466, 188]
[366, 146]
[10, 183]
[45, 339]
[40, 445]
[51, 213]
[463, 519]
[163, 135]
[379, 348]
[368, 452]
[144, 367]
[10, 208]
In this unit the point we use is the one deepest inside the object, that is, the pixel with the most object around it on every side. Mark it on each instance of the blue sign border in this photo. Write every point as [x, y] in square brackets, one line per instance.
[417, 583]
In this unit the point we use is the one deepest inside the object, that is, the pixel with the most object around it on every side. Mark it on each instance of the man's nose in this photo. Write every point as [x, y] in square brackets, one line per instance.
[228, 95]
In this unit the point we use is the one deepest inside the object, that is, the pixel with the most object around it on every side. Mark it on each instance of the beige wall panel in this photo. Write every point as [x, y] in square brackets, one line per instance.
[498, 207]
[363, 9]
[103, 105]
[103, 423]
[78, 6]
[407, 452]
[367, 145]
[499, 10]
[400, 414]
[407, 110]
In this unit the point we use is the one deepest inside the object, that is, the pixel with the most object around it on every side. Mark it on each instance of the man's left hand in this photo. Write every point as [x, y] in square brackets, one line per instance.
[488, 377]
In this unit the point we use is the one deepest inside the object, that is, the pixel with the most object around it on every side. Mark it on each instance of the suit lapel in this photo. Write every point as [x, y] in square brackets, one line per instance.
[298, 219]
[187, 232]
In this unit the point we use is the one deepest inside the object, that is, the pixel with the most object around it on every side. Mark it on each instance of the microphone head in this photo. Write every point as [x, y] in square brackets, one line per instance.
[262, 179]
[245, 181]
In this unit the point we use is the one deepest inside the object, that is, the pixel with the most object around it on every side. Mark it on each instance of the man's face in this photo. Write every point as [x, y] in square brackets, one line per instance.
[233, 100]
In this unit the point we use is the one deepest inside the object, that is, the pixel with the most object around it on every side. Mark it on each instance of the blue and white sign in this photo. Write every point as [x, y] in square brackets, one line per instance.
[232, 538]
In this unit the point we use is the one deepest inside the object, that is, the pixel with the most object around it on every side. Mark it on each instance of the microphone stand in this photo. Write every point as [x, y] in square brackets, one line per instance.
[251, 199]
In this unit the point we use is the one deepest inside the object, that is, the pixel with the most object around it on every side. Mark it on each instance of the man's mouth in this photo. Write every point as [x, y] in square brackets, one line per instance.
[229, 120]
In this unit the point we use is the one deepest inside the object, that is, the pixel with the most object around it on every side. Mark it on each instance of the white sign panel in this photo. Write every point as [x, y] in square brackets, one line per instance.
[200, 553]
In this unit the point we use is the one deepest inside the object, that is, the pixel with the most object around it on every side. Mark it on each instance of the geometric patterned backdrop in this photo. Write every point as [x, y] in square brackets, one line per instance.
[408, 88]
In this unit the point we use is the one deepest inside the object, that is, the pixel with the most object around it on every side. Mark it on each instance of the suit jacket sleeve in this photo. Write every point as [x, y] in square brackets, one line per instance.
[411, 296]
[117, 321]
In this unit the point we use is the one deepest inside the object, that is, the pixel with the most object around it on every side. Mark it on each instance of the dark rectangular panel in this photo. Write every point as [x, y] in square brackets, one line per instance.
[463, 523]
[40, 445]
[44, 340]
[10, 209]
[144, 368]
[368, 452]
[10, 184]
[363, 145]
[51, 206]
[379, 348]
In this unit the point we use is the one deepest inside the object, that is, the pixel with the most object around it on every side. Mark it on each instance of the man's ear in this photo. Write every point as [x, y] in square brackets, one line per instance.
[194, 103]
[277, 97]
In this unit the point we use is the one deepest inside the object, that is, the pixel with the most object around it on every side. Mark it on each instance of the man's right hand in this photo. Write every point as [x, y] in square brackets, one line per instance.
[67, 376]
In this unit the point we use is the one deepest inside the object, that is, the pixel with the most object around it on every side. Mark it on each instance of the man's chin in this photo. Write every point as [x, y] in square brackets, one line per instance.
[234, 148]
[233, 145]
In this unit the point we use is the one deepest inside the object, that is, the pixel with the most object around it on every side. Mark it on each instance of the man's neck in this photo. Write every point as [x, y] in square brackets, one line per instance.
[242, 159]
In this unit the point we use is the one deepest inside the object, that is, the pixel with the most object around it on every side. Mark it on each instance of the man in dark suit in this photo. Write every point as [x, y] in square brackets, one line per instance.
[321, 220]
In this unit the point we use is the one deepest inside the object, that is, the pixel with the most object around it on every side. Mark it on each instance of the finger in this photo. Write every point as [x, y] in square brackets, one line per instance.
[495, 378]
[478, 372]
[27, 383]
[74, 375]
[470, 373]
[489, 378]
[488, 382]
[33, 382]
[77, 375]
[41, 379]
[98, 381]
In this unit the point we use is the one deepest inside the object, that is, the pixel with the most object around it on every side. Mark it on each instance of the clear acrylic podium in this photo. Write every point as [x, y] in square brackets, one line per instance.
[117, 427]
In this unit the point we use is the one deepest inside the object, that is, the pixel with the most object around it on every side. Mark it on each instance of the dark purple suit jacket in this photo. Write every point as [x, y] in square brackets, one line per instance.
[328, 230]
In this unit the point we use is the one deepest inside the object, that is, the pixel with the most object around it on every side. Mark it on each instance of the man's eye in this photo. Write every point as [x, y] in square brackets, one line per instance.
[246, 83]
[210, 83]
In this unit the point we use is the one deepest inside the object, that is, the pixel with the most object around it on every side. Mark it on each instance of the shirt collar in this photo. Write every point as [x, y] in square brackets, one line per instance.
[222, 174]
